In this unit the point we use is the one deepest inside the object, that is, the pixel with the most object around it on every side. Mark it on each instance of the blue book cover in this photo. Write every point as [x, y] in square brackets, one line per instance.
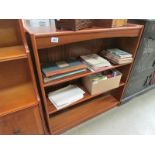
[119, 53]
[60, 65]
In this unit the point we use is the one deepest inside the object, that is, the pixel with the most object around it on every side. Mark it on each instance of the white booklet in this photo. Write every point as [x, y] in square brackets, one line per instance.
[95, 60]
[65, 96]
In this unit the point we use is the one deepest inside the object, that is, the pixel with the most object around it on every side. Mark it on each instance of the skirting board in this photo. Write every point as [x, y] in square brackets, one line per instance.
[125, 100]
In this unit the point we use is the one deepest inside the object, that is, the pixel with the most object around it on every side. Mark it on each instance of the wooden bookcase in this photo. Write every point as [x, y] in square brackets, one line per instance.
[19, 99]
[74, 44]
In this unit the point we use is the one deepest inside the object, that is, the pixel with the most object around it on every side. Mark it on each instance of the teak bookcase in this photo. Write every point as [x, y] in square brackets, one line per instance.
[19, 99]
[74, 44]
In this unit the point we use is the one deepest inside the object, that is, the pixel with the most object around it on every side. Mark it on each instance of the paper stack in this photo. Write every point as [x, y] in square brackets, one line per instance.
[66, 96]
[118, 56]
[95, 62]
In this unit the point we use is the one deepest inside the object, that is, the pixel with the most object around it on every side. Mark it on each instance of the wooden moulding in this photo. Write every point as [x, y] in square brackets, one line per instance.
[65, 37]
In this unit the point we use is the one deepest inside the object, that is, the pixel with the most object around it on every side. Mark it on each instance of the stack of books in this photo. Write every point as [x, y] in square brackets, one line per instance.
[62, 69]
[66, 96]
[95, 62]
[104, 76]
[117, 56]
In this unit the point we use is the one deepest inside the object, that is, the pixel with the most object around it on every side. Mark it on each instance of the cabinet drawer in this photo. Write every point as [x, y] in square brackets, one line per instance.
[23, 122]
[137, 83]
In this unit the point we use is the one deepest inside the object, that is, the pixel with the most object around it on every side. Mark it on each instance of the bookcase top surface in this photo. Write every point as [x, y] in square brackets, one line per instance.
[52, 31]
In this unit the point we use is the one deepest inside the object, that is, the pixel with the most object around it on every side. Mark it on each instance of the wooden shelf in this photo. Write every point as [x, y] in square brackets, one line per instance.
[17, 98]
[72, 117]
[12, 53]
[52, 109]
[54, 82]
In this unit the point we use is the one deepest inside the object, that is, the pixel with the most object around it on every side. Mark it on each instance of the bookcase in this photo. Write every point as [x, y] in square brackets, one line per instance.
[19, 99]
[73, 44]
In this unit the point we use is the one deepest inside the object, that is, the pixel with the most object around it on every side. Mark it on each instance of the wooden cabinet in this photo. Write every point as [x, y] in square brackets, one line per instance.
[26, 121]
[19, 99]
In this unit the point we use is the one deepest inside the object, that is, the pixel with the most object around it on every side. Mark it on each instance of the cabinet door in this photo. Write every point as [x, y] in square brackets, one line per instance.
[138, 83]
[144, 66]
[145, 59]
[23, 122]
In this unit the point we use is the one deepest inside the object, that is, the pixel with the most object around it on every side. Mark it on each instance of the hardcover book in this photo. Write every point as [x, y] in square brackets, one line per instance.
[62, 67]
[60, 76]
[118, 53]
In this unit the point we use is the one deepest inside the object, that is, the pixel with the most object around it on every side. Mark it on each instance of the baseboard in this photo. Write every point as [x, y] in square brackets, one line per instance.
[127, 99]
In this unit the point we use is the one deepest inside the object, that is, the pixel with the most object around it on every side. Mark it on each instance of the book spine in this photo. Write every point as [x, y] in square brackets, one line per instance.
[70, 69]
[48, 79]
[119, 56]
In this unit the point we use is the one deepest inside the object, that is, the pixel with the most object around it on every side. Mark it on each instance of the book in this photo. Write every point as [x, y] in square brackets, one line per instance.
[62, 67]
[117, 53]
[119, 61]
[117, 56]
[66, 96]
[56, 77]
[95, 60]
[97, 77]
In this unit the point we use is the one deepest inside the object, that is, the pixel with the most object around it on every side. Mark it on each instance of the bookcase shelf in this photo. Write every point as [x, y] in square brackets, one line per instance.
[11, 103]
[74, 44]
[12, 53]
[52, 109]
[68, 119]
[54, 82]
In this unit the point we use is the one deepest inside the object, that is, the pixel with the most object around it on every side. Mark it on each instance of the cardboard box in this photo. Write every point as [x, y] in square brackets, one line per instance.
[101, 86]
